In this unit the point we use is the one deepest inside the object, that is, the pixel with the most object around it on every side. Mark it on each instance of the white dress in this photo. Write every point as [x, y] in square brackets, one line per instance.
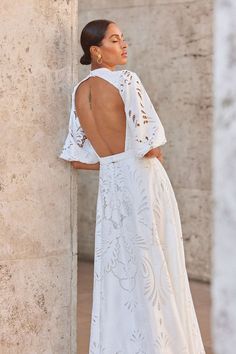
[142, 302]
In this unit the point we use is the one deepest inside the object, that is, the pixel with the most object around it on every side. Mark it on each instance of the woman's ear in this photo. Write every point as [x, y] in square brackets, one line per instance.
[93, 51]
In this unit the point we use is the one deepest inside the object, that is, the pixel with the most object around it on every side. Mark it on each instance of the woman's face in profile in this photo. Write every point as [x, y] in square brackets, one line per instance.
[114, 46]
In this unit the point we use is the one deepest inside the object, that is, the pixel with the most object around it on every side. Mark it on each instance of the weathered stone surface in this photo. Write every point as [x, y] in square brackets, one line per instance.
[38, 242]
[88, 189]
[195, 207]
[224, 186]
[35, 308]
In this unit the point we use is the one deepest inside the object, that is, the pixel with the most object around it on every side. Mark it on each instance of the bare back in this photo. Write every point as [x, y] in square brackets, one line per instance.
[101, 113]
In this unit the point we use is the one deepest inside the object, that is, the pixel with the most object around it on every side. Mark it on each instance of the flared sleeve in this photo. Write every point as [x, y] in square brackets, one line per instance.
[143, 121]
[77, 147]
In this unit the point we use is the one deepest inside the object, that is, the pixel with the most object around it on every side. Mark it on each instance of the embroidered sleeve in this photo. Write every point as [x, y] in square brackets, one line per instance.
[143, 121]
[77, 147]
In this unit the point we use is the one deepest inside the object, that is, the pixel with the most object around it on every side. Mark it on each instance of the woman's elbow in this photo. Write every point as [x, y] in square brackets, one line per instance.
[75, 164]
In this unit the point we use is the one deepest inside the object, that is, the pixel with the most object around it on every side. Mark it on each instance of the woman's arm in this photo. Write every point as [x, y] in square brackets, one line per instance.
[155, 152]
[85, 166]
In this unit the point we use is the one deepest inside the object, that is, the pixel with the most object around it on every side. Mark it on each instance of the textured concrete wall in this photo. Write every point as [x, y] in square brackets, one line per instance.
[37, 242]
[170, 47]
[224, 187]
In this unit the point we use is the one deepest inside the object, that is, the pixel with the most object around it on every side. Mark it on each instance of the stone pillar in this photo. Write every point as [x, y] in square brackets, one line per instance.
[38, 247]
[224, 182]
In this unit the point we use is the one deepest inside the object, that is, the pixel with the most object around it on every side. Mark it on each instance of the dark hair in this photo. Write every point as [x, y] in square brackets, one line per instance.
[92, 34]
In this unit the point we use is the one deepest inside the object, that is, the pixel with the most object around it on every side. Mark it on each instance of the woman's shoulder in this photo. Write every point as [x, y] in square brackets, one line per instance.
[128, 72]
[75, 85]
[130, 75]
[119, 78]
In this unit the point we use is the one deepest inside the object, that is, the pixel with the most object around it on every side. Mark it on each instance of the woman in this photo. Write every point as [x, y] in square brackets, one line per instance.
[141, 296]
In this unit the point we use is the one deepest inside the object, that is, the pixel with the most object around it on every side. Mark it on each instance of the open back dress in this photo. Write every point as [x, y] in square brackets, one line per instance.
[142, 302]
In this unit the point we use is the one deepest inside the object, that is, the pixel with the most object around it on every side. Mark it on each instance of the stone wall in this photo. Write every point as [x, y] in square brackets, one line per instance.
[170, 47]
[37, 190]
[224, 186]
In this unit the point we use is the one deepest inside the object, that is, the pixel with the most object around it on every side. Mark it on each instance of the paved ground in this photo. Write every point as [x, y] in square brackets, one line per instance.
[200, 293]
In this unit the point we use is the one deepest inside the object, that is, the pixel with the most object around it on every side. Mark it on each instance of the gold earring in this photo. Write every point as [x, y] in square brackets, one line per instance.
[98, 58]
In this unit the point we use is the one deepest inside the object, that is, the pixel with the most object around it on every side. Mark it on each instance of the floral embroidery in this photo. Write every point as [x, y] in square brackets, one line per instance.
[135, 299]
[143, 121]
[141, 298]
[78, 136]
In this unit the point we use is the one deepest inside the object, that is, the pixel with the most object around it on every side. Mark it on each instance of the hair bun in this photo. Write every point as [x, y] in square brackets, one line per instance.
[92, 34]
[85, 60]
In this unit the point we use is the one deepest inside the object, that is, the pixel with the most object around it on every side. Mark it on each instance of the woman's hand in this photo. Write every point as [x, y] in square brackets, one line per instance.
[156, 152]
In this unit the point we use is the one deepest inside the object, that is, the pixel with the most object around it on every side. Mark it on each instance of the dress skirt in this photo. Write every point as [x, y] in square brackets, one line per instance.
[142, 302]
